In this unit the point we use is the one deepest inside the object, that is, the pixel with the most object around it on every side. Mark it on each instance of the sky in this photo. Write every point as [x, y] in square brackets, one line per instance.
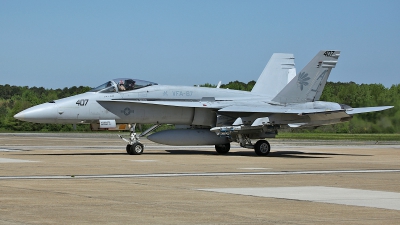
[57, 44]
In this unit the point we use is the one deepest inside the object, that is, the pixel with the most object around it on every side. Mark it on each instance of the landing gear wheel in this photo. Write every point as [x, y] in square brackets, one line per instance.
[128, 149]
[135, 149]
[262, 148]
[223, 149]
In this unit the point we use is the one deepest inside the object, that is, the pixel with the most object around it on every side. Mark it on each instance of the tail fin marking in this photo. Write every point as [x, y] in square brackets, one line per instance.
[308, 85]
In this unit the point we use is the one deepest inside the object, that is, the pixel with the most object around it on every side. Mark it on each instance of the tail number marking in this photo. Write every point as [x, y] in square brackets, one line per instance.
[328, 53]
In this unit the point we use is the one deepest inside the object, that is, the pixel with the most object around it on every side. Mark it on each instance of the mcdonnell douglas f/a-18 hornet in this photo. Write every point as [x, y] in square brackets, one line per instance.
[208, 116]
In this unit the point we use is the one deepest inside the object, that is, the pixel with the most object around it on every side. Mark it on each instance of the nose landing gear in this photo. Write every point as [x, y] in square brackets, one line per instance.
[134, 147]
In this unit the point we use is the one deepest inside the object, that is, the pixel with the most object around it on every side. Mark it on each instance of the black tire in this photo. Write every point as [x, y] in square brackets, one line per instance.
[135, 149]
[128, 149]
[262, 148]
[223, 149]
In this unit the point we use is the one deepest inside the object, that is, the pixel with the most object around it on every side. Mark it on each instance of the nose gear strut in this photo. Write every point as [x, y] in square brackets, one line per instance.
[134, 147]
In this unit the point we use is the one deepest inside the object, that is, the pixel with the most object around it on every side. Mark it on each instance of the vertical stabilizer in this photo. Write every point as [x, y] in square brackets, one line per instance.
[308, 85]
[291, 75]
[276, 74]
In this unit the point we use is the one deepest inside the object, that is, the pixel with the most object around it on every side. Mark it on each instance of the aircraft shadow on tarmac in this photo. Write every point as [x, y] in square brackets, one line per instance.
[83, 153]
[280, 154]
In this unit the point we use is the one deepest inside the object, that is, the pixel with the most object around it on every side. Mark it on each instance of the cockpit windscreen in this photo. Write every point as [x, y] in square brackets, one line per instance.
[106, 87]
[122, 84]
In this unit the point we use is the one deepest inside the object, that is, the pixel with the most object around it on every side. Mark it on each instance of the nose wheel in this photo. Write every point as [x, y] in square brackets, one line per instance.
[135, 149]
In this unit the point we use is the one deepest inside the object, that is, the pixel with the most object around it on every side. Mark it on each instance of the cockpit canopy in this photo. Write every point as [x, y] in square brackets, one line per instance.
[122, 84]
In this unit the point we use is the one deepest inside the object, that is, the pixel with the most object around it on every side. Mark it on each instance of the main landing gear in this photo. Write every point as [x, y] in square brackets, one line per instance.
[261, 148]
[223, 149]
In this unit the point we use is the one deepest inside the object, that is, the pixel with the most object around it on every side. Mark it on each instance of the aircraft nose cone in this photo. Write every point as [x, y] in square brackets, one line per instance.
[43, 113]
[19, 116]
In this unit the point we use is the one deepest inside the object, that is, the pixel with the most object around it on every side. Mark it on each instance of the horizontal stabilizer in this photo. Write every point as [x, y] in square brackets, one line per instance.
[367, 109]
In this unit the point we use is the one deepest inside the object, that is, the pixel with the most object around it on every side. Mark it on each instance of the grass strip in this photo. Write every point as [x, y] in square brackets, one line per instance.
[334, 136]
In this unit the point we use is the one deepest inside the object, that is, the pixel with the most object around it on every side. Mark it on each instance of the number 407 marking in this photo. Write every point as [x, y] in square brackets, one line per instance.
[329, 53]
[82, 102]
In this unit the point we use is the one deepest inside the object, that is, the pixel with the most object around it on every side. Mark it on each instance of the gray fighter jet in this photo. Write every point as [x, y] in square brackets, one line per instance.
[208, 116]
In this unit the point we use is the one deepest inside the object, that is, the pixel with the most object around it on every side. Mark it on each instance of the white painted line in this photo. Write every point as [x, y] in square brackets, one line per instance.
[343, 196]
[260, 168]
[9, 150]
[5, 160]
[211, 174]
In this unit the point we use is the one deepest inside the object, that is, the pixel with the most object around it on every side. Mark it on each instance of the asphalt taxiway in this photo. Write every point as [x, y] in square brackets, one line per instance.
[88, 179]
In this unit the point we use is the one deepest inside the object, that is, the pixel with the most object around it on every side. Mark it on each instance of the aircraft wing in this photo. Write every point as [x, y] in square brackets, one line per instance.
[270, 109]
[367, 109]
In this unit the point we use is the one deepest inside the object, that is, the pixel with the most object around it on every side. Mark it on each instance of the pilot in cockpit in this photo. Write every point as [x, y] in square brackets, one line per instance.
[130, 84]
[121, 86]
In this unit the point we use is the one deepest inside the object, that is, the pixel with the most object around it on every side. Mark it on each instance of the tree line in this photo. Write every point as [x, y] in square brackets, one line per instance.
[354, 95]
[14, 99]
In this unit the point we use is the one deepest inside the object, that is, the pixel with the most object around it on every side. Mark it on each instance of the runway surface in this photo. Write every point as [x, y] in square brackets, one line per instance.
[88, 179]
